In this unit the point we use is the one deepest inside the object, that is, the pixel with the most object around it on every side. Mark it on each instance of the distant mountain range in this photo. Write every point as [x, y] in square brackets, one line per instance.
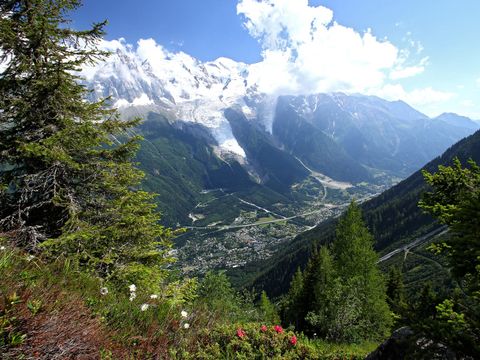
[393, 217]
[210, 133]
[343, 136]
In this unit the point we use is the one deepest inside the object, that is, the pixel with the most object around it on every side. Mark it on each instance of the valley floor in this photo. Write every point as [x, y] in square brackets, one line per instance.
[230, 229]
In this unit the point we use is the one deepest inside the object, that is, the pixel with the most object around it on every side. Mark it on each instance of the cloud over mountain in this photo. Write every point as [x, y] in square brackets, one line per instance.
[305, 51]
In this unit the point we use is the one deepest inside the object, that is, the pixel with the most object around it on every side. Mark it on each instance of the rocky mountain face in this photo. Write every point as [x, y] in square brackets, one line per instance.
[246, 171]
[346, 137]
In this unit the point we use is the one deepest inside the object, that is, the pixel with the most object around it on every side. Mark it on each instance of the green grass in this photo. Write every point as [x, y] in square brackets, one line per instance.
[265, 219]
[37, 295]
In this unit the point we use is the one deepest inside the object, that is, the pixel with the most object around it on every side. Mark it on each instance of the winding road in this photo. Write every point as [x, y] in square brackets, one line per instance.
[418, 241]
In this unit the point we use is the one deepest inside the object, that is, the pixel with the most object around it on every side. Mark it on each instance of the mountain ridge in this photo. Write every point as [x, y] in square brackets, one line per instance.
[198, 92]
[232, 163]
[393, 218]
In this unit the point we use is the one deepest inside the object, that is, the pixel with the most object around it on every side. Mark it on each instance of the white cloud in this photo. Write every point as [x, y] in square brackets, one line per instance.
[402, 72]
[417, 97]
[305, 51]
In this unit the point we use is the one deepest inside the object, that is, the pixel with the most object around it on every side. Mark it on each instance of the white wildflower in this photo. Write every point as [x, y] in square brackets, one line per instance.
[30, 257]
[2, 248]
[154, 296]
[132, 288]
[144, 307]
[186, 325]
[132, 296]
[103, 291]
[184, 313]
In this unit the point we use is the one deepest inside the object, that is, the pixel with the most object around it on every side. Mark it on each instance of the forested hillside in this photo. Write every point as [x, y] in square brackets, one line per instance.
[393, 217]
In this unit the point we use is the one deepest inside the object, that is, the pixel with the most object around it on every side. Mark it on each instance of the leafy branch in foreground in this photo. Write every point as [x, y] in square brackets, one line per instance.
[455, 201]
[68, 183]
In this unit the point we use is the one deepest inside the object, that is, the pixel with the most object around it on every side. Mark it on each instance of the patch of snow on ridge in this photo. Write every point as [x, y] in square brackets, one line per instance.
[233, 146]
[148, 74]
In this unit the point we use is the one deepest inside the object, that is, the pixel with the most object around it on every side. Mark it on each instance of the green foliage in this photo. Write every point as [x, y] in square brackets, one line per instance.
[217, 294]
[70, 186]
[426, 302]
[455, 201]
[267, 310]
[343, 293]
[292, 302]
[224, 342]
[356, 265]
[159, 330]
[9, 323]
[34, 306]
[319, 279]
[395, 289]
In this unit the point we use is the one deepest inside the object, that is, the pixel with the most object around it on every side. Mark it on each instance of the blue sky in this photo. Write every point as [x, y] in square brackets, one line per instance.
[429, 51]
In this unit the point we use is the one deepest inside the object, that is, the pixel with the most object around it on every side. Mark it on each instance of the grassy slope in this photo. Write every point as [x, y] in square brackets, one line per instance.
[52, 311]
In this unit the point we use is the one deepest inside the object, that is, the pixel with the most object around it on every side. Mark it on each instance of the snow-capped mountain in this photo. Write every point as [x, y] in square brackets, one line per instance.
[325, 131]
[178, 83]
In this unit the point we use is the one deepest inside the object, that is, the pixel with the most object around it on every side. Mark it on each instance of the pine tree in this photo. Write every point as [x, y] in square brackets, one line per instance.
[268, 309]
[322, 278]
[66, 186]
[292, 303]
[396, 297]
[455, 201]
[356, 266]
[424, 305]
[343, 295]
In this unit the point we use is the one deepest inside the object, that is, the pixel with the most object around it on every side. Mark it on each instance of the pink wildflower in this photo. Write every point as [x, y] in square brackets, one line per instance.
[278, 329]
[263, 328]
[293, 340]
[240, 333]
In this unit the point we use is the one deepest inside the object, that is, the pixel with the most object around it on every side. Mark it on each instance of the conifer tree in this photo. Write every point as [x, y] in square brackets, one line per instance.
[320, 310]
[316, 279]
[424, 304]
[66, 186]
[292, 304]
[356, 266]
[268, 309]
[396, 290]
[454, 200]
[342, 296]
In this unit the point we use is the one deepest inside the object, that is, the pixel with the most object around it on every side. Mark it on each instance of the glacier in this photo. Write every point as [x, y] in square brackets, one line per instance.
[153, 78]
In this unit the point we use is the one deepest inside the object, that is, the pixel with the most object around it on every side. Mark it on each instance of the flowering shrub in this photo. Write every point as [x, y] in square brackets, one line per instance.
[252, 341]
